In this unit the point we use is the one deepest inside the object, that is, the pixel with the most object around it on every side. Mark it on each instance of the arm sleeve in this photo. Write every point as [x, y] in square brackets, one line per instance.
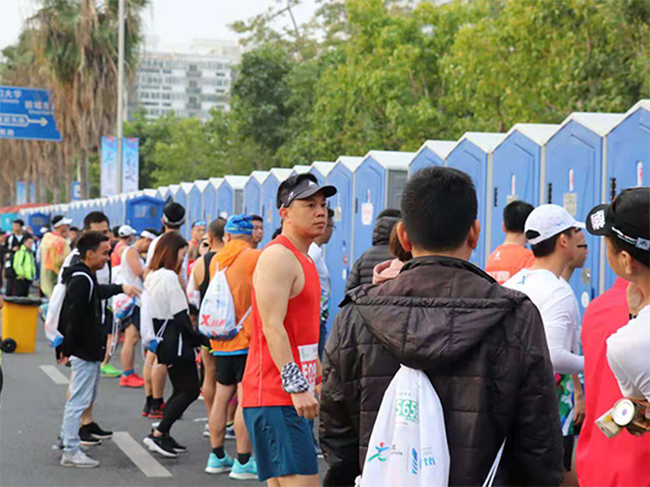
[76, 309]
[338, 437]
[106, 291]
[354, 279]
[537, 446]
[558, 322]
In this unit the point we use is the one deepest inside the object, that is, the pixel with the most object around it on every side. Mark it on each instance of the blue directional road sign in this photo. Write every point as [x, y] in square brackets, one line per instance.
[27, 114]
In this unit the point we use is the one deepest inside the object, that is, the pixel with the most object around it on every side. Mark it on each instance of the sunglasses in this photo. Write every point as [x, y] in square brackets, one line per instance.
[583, 246]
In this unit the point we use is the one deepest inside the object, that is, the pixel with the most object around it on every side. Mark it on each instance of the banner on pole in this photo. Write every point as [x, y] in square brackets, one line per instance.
[21, 192]
[130, 165]
[109, 166]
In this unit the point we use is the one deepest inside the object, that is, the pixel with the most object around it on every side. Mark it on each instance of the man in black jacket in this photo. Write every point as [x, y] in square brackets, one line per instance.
[482, 346]
[84, 341]
[362, 269]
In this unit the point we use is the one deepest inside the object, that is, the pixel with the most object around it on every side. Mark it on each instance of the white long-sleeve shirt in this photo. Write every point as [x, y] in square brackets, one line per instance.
[557, 304]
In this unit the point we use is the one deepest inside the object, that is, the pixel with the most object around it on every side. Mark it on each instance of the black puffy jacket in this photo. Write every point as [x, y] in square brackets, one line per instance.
[361, 272]
[482, 346]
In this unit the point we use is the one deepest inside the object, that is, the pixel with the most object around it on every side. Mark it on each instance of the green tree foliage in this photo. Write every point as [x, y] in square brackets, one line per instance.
[372, 74]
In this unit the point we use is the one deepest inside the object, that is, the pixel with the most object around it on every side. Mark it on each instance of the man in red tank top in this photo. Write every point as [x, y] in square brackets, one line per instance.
[283, 370]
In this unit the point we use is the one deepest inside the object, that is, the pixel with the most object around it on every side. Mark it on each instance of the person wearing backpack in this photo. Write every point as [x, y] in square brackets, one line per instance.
[201, 279]
[84, 343]
[235, 263]
[24, 267]
[165, 315]
[481, 346]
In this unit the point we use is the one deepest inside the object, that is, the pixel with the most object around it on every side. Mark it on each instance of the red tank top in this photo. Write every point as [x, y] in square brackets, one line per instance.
[262, 385]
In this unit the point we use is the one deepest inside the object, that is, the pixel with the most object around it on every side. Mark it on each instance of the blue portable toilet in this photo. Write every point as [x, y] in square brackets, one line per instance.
[338, 252]
[432, 153]
[573, 178]
[210, 202]
[321, 170]
[378, 184]
[628, 163]
[516, 164]
[230, 196]
[270, 212]
[300, 169]
[194, 204]
[37, 220]
[253, 192]
[144, 212]
[473, 155]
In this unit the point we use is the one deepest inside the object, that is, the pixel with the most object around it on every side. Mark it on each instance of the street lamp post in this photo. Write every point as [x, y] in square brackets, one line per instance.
[120, 93]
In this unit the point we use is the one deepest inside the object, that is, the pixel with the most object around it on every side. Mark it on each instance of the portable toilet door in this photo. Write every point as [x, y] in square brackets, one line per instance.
[37, 220]
[179, 196]
[209, 199]
[144, 212]
[627, 166]
[473, 155]
[230, 196]
[194, 203]
[432, 153]
[516, 164]
[300, 169]
[378, 184]
[253, 192]
[321, 170]
[573, 178]
[338, 252]
[270, 212]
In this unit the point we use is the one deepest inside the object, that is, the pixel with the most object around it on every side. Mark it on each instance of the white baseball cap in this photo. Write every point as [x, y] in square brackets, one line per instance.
[548, 221]
[126, 231]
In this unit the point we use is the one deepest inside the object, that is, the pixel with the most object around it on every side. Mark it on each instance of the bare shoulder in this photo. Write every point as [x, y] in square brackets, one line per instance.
[276, 261]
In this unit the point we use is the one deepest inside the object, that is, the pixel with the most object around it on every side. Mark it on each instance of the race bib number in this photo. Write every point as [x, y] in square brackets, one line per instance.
[308, 363]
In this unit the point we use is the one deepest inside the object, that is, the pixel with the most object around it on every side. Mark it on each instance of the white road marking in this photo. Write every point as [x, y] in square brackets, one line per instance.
[138, 455]
[55, 374]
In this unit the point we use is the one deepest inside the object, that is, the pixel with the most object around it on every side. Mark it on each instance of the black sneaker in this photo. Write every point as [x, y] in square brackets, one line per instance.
[147, 409]
[87, 438]
[178, 448]
[161, 444]
[97, 432]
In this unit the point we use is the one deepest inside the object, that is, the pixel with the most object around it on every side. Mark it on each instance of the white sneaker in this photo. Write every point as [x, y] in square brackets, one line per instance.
[230, 433]
[206, 430]
[79, 460]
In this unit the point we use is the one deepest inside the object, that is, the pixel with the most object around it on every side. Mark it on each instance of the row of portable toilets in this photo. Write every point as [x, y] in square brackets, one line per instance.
[586, 160]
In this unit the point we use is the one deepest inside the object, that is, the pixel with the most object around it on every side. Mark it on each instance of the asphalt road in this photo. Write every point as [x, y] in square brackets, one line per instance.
[31, 409]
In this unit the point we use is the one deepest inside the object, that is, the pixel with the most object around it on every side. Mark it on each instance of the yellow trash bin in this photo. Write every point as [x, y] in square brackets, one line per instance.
[19, 323]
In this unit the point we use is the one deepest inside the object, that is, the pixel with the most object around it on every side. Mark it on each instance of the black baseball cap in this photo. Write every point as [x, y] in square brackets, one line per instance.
[174, 214]
[306, 188]
[624, 224]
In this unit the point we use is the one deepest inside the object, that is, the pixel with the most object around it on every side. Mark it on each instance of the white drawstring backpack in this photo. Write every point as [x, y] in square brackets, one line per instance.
[408, 444]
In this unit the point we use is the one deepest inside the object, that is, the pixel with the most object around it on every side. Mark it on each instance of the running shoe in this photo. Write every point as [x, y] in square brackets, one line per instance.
[147, 409]
[247, 471]
[230, 432]
[178, 448]
[87, 438]
[219, 465]
[109, 371]
[78, 459]
[133, 380]
[206, 430]
[97, 432]
[156, 413]
[160, 444]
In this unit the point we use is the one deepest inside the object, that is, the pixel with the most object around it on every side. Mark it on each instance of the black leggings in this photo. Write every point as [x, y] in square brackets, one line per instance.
[185, 380]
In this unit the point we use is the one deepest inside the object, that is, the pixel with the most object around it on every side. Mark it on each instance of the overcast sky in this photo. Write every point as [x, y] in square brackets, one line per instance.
[174, 22]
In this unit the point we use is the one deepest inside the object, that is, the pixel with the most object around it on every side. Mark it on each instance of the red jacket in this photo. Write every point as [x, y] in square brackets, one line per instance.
[625, 459]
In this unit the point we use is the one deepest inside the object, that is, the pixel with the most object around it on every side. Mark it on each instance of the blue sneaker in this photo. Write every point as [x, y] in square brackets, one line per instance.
[219, 465]
[244, 472]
